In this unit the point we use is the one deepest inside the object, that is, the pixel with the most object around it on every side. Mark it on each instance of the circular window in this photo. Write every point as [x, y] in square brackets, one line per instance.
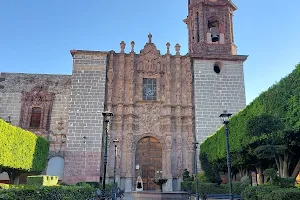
[217, 68]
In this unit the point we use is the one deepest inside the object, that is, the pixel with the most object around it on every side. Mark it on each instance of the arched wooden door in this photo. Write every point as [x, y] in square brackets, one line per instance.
[149, 158]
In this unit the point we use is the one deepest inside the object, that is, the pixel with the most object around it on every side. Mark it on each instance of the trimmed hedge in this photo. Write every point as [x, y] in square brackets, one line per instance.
[21, 149]
[213, 188]
[281, 100]
[270, 193]
[48, 193]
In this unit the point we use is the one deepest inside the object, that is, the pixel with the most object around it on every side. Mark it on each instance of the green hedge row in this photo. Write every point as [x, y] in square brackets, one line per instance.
[281, 100]
[48, 193]
[21, 149]
[270, 193]
[213, 188]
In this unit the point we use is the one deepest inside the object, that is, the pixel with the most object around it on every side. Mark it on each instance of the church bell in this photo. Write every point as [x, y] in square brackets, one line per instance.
[214, 37]
[214, 34]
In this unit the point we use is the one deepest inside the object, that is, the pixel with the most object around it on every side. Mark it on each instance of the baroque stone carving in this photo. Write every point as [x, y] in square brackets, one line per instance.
[41, 98]
[136, 118]
[149, 115]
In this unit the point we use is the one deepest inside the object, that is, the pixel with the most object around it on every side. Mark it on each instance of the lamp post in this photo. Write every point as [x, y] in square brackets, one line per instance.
[116, 141]
[225, 119]
[107, 115]
[195, 170]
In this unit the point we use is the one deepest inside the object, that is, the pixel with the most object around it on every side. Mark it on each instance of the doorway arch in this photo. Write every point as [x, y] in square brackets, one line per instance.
[148, 160]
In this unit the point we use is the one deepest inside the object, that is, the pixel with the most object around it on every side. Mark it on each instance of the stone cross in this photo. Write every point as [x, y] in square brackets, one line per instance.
[177, 48]
[150, 38]
[168, 48]
[122, 45]
[132, 46]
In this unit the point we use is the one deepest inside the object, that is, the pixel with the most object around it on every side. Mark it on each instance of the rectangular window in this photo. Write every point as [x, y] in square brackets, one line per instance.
[149, 89]
[36, 115]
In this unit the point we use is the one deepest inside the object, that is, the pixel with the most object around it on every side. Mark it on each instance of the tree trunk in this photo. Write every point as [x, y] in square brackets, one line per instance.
[14, 176]
[286, 165]
[260, 178]
[296, 170]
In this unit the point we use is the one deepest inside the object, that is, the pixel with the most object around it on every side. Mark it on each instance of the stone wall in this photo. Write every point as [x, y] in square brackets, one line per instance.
[215, 93]
[13, 84]
[10, 105]
[82, 156]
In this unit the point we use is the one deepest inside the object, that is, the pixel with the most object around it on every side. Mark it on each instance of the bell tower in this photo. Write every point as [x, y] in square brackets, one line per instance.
[210, 27]
[218, 76]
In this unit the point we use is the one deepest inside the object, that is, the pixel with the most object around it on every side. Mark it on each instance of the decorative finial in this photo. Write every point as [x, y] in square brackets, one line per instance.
[150, 38]
[132, 46]
[177, 49]
[122, 45]
[168, 48]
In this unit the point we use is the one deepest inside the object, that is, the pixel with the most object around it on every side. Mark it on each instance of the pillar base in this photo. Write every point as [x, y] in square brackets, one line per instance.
[128, 184]
[167, 187]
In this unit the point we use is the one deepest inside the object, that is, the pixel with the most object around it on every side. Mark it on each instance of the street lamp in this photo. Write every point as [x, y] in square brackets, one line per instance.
[107, 115]
[225, 119]
[195, 170]
[116, 141]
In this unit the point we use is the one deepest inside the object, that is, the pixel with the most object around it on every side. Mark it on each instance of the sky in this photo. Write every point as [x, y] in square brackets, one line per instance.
[37, 36]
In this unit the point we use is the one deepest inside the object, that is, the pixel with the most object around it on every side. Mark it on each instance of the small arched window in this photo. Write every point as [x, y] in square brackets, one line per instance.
[35, 119]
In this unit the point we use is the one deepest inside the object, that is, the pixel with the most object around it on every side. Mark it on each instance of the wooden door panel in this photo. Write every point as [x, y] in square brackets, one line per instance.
[149, 157]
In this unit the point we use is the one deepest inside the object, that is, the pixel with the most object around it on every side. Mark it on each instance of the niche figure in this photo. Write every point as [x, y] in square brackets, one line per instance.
[139, 184]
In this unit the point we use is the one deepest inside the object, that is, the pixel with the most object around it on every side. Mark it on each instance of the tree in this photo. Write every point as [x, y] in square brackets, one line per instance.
[211, 172]
[270, 140]
[21, 151]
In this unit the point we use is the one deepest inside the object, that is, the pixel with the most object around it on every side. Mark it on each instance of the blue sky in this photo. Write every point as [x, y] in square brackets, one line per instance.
[36, 36]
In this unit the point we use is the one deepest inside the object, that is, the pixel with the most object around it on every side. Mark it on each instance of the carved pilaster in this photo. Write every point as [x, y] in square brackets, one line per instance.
[189, 82]
[168, 80]
[179, 155]
[178, 79]
[110, 78]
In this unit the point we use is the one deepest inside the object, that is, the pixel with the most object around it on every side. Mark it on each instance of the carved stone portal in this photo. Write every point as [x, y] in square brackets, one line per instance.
[40, 98]
[137, 118]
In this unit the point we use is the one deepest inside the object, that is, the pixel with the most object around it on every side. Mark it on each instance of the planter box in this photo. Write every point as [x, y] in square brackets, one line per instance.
[42, 180]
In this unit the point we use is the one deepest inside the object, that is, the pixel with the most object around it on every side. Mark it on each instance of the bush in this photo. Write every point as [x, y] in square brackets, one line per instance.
[202, 178]
[21, 149]
[270, 193]
[237, 187]
[48, 193]
[4, 186]
[92, 184]
[187, 185]
[246, 180]
[210, 188]
[186, 176]
[203, 188]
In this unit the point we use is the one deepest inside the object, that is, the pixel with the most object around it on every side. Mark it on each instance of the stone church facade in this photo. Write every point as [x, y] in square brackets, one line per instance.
[162, 103]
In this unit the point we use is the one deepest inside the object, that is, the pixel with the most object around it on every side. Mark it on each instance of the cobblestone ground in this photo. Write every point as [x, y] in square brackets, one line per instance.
[127, 196]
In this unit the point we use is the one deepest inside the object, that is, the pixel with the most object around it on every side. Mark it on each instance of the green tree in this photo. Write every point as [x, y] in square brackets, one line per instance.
[211, 171]
[270, 140]
[21, 151]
